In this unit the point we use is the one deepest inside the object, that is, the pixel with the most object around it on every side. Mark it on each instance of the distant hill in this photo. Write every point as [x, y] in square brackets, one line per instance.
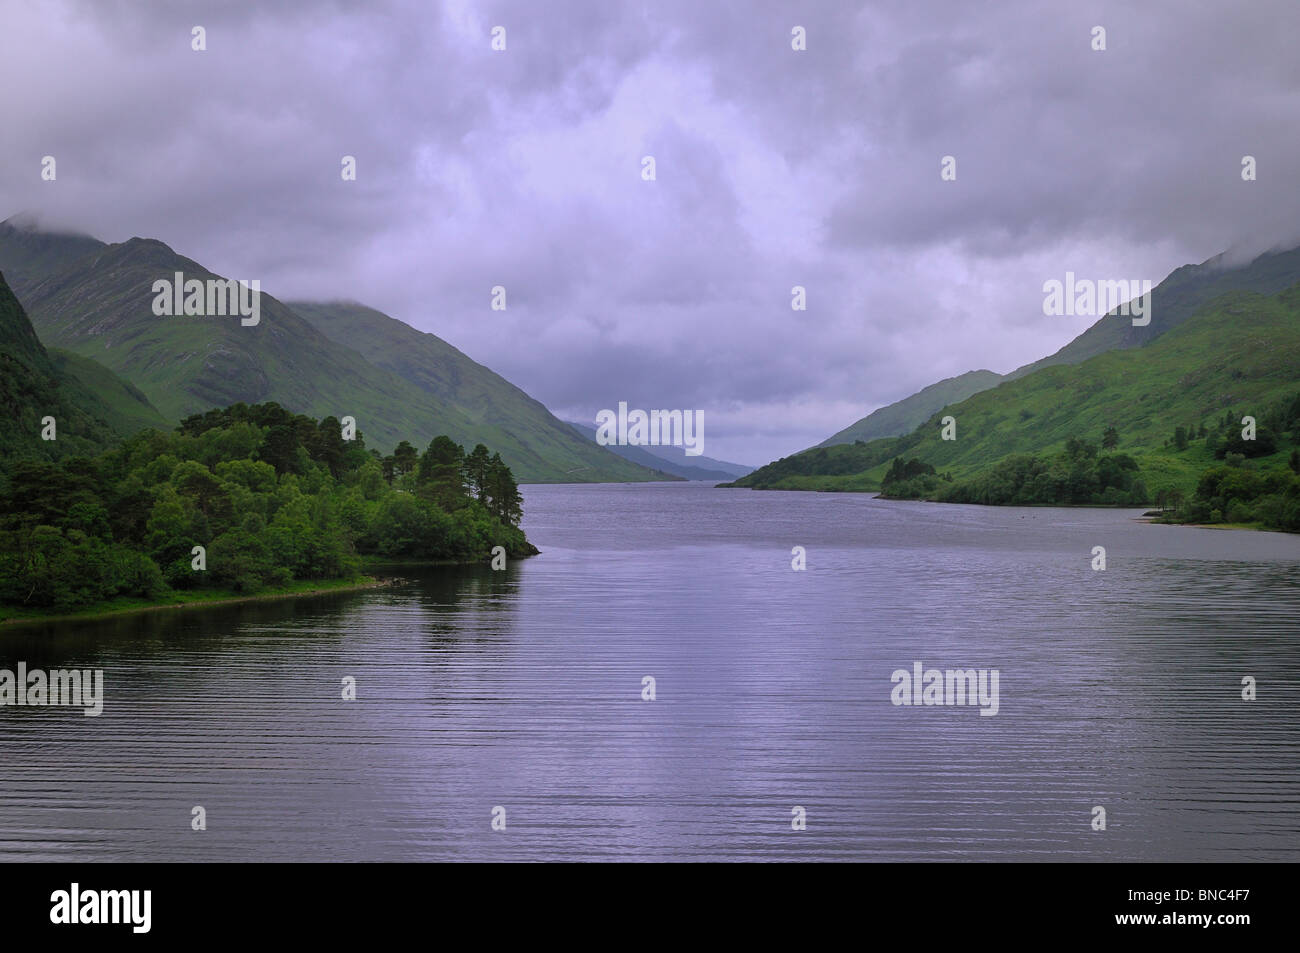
[672, 460]
[906, 415]
[1174, 300]
[1184, 292]
[1238, 355]
[95, 301]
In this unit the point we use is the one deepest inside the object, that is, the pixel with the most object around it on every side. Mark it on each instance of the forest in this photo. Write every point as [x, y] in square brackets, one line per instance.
[241, 500]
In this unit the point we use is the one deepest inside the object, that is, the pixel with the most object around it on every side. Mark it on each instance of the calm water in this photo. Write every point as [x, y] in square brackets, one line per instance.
[522, 689]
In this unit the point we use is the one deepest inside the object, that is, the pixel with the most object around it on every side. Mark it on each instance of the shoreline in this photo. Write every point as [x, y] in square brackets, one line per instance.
[1155, 521]
[360, 584]
[92, 615]
[1251, 527]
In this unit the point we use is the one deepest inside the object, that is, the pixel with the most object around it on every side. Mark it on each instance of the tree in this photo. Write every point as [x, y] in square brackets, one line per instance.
[405, 458]
[1110, 439]
[330, 448]
[439, 477]
[1263, 444]
[1180, 438]
[280, 448]
[1294, 462]
[269, 496]
[475, 470]
[1076, 449]
[505, 503]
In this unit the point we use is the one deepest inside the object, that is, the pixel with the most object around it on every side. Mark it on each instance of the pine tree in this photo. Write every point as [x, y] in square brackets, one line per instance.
[330, 448]
[475, 470]
[505, 503]
[405, 458]
[440, 475]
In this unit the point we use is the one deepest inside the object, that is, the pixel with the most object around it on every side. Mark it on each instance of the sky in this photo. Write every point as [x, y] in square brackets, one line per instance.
[774, 167]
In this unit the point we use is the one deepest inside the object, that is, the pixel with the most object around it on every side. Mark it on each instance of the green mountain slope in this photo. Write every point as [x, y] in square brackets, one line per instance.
[1174, 300]
[34, 385]
[105, 395]
[502, 414]
[98, 304]
[906, 415]
[1236, 357]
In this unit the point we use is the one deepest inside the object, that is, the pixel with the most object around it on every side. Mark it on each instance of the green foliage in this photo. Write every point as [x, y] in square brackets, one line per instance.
[271, 496]
[1238, 494]
[1075, 477]
[911, 480]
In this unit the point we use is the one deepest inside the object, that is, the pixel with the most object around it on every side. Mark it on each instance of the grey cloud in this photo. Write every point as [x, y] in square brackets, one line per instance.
[775, 168]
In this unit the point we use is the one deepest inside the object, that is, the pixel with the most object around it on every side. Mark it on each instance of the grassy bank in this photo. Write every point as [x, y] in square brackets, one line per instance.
[195, 599]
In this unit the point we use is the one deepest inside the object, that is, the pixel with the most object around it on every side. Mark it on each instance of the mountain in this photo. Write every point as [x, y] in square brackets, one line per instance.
[672, 460]
[676, 457]
[1173, 301]
[90, 407]
[906, 415]
[1237, 355]
[28, 253]
[500, 413]
[96, 301]
[1184, 292]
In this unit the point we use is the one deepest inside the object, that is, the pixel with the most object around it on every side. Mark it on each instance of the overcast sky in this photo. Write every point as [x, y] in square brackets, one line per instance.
[774, 168]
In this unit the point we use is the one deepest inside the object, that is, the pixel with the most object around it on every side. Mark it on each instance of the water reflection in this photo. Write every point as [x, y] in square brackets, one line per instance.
[522, 689]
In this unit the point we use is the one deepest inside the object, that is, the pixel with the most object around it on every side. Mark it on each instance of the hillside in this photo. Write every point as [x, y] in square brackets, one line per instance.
[501, 414]
[1239, 355]
[1174, 300]
[29, 254]
[99, 305]
[94, 387]
[34, 384]
[904, 416]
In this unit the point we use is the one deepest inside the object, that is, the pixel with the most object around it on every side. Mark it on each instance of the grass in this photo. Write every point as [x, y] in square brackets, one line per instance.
[181, 599]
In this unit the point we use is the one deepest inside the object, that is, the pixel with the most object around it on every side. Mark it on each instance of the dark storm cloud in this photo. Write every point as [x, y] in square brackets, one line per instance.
[774, 168]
